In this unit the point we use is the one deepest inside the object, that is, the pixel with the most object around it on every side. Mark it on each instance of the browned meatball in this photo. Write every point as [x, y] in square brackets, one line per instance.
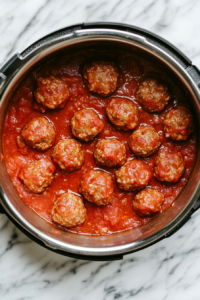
[69, 210]
[123, 113]
[144, 141]
[97, 187]
[133, 175]
[68, 154]
[51, 92]
[39, 133]
[110, 153]
[101, 77]
[178, 124]
[153, 95]
[169, 166]
[86, 125]
[37, 175]
[148, 202]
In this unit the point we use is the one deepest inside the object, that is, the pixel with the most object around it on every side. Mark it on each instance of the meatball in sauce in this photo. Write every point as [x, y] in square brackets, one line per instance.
[178, 124]
[97, 187]
[144, 141]
[123, 114]
[86, 125]
[69, 210]
[68, 155]
[153, 95]
[133, 175]
[101, 77]
[39, 133]
[169, 166]
[51, 92]
[110, 153]
[148, 202]
[37, 175]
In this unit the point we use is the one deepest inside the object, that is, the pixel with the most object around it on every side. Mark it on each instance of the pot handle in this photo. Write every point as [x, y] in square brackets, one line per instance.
[185, 220]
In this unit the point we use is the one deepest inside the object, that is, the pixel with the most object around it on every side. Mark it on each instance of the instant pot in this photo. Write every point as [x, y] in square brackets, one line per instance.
[114, 35]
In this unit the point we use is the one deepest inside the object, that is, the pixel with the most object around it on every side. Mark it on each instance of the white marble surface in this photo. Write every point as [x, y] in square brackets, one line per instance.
[165, 271]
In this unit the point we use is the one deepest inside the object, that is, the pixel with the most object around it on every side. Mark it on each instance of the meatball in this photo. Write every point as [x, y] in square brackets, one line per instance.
[133, 175]
[37, 175]
[110, 153]
[148, 202]
[51, 92]
[178, 124]
[68, 154]
[169, 166]
[86, 125]
[123, 113]
[69, 210]
[97, 187]
[39, 133]
[101, 77]
[144, 141]
[153, 95]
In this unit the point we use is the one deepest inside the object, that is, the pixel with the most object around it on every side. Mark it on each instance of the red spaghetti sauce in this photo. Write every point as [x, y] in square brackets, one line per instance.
[119, 214]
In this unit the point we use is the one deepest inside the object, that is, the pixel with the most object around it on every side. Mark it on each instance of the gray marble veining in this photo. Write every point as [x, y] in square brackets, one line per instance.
[165, 271]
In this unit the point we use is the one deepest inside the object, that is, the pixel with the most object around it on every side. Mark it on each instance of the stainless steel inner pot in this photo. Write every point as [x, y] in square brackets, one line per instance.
[117, 36]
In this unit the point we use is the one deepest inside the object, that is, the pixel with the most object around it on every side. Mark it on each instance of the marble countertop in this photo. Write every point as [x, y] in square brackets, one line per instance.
[168, 270]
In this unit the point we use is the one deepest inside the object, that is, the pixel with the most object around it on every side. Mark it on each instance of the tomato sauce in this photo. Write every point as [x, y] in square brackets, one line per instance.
[119, 215]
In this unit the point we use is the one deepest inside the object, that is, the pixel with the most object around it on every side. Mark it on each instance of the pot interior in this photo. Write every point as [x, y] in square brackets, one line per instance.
[120, 242]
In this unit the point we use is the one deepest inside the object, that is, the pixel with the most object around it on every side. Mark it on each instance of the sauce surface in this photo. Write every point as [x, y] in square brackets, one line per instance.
[119, 215]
